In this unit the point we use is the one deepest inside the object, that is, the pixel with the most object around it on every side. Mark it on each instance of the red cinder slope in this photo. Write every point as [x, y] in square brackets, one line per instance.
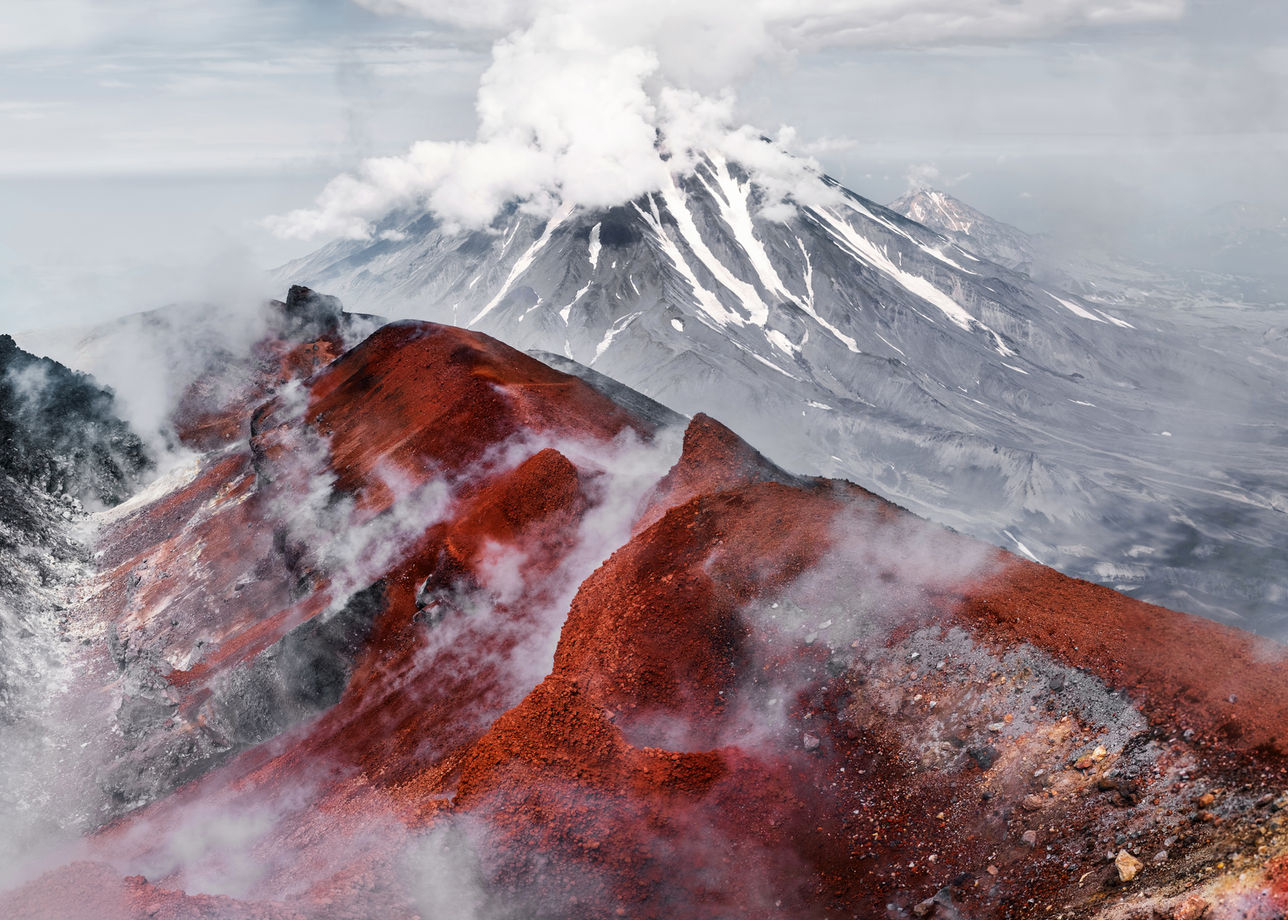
[421, 694]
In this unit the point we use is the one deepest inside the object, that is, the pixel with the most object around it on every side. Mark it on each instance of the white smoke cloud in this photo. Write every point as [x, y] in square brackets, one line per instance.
[878, 573]
[592, 102]
[444, 871]
[149, 359]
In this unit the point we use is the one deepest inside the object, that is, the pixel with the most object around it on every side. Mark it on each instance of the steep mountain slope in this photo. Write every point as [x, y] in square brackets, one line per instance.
[439, 631]
[65, 450]
[850, 340]
[62, 449]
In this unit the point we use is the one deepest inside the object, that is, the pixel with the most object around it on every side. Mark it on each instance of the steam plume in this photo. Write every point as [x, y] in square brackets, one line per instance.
[592, 103]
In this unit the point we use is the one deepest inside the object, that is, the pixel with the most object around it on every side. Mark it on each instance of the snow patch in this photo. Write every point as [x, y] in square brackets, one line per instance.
[933, 253]
[808, 306]
[1121, 323]
[535, 306]
[613, 331]
[707, 301]
[594, 247]
[747, 297]
[525, 260]
[1075, 309]
[731, 198]
[1021, 547]
[566, 312]
[892, 345]
[781, 342]
[770, 364]
[864, 249]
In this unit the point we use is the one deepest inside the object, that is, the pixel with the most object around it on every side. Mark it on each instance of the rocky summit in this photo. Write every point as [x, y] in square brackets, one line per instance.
[426, 628]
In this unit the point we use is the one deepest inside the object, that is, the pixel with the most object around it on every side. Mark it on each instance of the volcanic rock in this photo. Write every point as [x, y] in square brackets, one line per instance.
[1193, 908]
[1127, 865]
[433, 629]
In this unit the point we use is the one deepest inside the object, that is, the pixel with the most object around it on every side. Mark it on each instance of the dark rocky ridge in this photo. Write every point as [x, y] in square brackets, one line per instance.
[59, 432]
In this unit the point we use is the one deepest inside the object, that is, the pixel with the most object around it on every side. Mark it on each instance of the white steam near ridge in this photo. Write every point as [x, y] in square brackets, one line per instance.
[592, 102]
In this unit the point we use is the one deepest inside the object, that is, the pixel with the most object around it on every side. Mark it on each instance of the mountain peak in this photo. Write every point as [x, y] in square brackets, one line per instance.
[969, 227]
[939, 211]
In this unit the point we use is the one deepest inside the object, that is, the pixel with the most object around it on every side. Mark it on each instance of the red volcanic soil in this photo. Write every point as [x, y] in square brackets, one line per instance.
[415, 394]
[773, 697]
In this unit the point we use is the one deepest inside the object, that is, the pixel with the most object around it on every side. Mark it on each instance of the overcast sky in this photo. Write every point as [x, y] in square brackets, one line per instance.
[144, 140]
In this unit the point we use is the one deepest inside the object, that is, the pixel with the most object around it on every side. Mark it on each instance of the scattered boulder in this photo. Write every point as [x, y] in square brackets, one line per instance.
[1192, 908]
[925, 908]
[1128, 866]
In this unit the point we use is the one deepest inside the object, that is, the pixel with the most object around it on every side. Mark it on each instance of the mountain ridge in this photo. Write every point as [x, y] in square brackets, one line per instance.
[438, 630]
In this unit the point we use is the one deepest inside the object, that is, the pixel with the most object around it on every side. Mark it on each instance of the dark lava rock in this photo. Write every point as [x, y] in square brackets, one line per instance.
[985, 756]
[59, 431]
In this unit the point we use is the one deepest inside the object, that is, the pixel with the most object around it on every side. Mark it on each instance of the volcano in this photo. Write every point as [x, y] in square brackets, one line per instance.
[1100, 432]
[428, 629]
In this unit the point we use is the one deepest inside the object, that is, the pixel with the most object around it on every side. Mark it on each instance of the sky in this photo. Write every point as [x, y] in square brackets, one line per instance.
[145, 142]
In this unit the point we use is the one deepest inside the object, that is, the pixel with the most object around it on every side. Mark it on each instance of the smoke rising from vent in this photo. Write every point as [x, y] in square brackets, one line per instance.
[592, 103]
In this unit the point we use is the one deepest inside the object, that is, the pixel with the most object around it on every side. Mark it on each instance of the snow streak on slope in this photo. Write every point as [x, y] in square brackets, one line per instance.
[711, 304]
[1076, 310]
[920, 287]
[594, 247]
[745, 294]
[808, 304]
[731, 197]
[524, 262]
[928, 250]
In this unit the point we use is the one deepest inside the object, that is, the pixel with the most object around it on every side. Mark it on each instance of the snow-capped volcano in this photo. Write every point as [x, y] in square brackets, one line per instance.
[852, 340]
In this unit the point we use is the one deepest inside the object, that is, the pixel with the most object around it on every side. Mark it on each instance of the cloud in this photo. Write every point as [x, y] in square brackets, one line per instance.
[593, 103]
[150, 359]
[445, 873]
[922, 176]
[28, 26]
